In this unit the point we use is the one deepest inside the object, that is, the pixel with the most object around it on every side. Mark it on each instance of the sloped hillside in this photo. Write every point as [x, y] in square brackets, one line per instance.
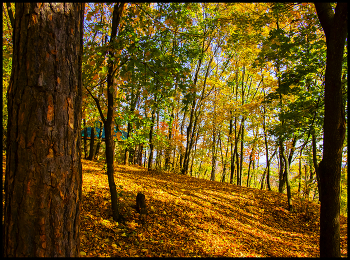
[193, 217]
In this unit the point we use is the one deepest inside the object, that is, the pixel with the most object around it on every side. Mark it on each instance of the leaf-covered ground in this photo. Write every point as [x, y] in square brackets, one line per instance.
[193, 217]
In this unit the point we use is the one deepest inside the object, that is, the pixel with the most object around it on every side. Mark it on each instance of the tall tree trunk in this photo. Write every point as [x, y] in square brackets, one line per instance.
[169, 146]
[99, 141]
[240, 168]
[127, 149]
[109, 121]
[43, 177]
[181, 132]
[224, 159]
[335, 27]
[267, 149]
[188, 139]
[213, 161]
[299, 177]
[314, 159]
[239, 180]
[289, 194]
[250, 162]
[92, 139]
[262, 180]
[139, 158]
[234, 152]
[194, 153]
[191, 129]
[151, 142]
[281, 174]
[232, 168]
[85, 138]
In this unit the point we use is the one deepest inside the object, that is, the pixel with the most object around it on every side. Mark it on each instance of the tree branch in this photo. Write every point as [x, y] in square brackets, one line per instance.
[325, 15]
[9, 11]
[97, 104]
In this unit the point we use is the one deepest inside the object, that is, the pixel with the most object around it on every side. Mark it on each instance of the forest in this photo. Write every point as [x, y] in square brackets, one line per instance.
[229, 110]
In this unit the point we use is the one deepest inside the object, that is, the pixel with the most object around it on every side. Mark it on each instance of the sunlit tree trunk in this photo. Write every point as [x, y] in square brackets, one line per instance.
[239, 170]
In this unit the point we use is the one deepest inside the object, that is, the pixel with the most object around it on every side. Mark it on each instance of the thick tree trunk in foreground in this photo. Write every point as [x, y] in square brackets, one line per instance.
[43, 163]
[335, 27]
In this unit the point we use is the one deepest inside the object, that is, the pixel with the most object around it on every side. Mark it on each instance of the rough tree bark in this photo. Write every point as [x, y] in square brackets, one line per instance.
[43, 165]
[334, 24]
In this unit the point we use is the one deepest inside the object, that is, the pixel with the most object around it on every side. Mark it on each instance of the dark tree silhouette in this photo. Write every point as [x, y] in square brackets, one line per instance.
[334, 24]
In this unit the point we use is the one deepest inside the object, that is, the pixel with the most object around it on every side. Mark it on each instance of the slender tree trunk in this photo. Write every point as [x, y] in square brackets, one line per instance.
[189, 139]
[139, 159]
[250, 162]
[254, 174]
[181, 150]
[194, 153]
[232, 168]
[267, 150]
[151, 142]
[282, 178]
[234, 152]
[92, 139]
[223, 159]
[262, 180]
[168, 148]
[195, 113]
[43, 178]
[127, 149]
[335, 27]
[99, 142]
[314, 159]
[241, 157]
[299, 178]
[109, 121]
[289, 194]
[213, 159]
[85, 138]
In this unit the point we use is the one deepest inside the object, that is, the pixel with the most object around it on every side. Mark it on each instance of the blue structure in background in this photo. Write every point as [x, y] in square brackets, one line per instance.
[124, 135]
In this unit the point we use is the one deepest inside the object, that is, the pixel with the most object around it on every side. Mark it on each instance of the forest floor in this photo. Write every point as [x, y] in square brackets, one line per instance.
[190, 217]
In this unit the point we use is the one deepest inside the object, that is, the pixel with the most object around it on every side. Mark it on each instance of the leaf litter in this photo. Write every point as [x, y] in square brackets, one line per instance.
[190, 217]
